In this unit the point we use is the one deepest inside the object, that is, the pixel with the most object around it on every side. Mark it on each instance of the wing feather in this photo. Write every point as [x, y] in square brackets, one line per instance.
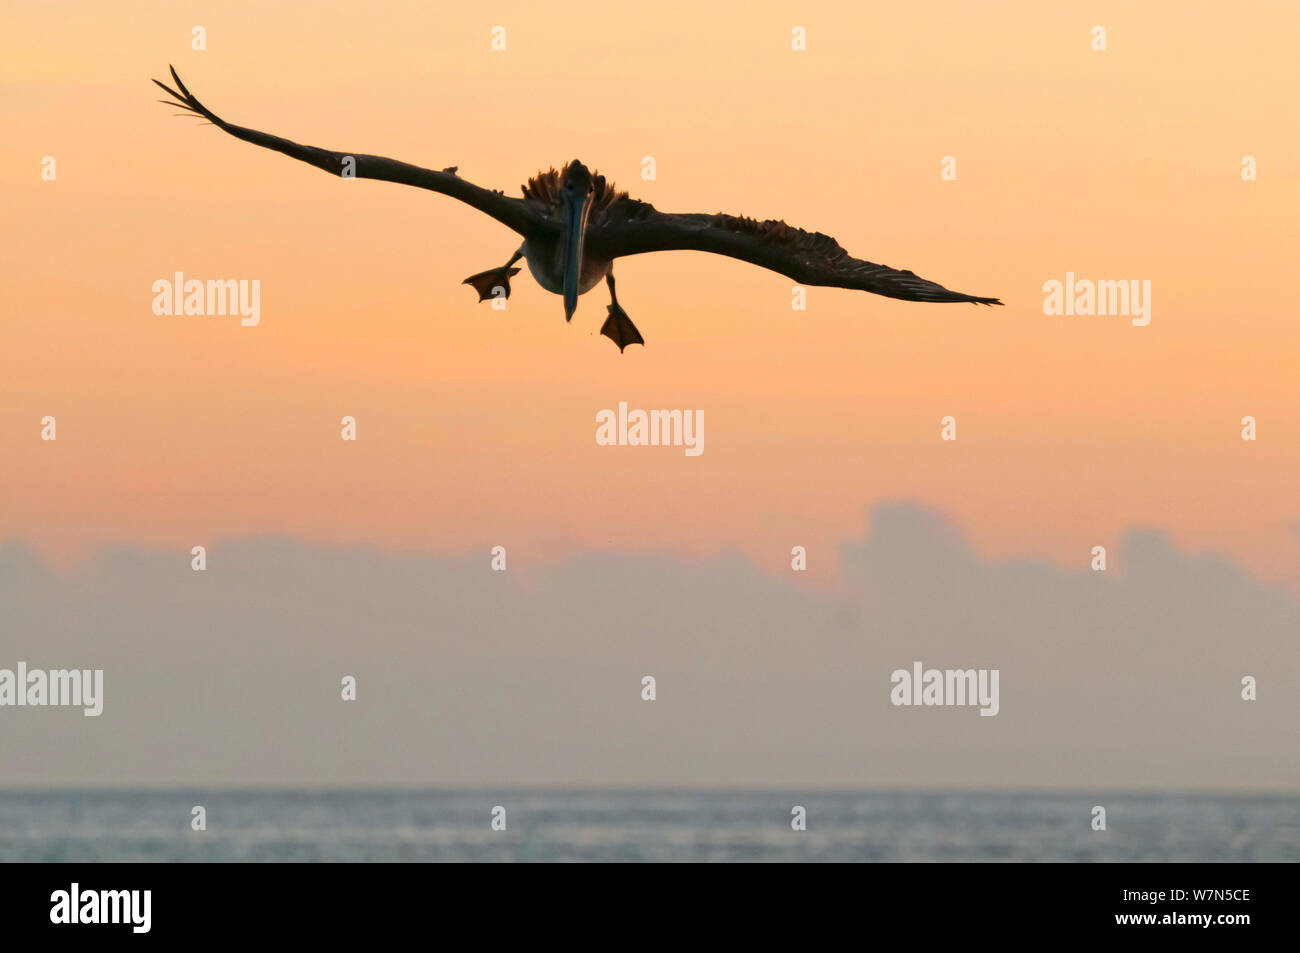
[630, 227]
[522, 216]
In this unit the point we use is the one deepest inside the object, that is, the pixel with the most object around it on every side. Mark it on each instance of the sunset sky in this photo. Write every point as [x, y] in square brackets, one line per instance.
[476, 427]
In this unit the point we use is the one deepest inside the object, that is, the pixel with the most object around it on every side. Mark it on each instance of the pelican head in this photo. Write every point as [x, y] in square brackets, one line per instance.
[576, 192]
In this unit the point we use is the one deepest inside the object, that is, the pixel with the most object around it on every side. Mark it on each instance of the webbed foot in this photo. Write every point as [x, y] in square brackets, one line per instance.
[486, 282]
[618, 327]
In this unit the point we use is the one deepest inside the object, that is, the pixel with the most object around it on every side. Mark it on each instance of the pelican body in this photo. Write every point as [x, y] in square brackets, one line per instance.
[574, 225]
[561, 261]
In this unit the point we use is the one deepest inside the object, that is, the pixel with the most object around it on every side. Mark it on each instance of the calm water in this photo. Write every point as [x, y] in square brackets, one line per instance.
[645, 826]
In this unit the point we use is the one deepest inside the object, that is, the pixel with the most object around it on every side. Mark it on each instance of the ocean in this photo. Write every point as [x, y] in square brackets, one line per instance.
[553, 825]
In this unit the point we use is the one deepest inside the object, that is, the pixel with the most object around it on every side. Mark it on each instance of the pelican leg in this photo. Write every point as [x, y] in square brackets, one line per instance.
[618, 327]
[487, 282]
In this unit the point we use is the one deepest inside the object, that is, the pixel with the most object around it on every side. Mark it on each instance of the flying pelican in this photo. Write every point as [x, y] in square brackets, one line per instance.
[574, 224]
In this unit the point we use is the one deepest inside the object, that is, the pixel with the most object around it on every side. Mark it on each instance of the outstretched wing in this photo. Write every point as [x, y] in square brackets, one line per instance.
[522, 216]
[630, 227]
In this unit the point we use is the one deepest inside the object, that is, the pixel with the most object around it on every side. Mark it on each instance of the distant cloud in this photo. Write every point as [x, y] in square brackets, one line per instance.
[1124, 679]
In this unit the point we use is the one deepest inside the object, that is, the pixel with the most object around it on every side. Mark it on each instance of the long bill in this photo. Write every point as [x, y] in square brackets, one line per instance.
[575, 234]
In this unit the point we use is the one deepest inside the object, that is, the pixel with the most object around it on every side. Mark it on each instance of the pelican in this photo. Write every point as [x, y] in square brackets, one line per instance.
[574, 224]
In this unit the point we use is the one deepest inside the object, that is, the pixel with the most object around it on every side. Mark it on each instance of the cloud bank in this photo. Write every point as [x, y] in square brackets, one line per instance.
[1126, 679]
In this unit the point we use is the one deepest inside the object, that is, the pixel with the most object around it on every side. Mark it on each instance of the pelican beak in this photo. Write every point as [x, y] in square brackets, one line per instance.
[576, 211]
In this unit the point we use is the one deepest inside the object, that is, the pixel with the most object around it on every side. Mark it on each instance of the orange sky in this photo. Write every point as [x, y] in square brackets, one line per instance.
[477, 427]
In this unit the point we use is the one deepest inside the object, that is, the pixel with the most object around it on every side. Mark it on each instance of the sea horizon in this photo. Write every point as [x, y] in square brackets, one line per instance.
[499, 824]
